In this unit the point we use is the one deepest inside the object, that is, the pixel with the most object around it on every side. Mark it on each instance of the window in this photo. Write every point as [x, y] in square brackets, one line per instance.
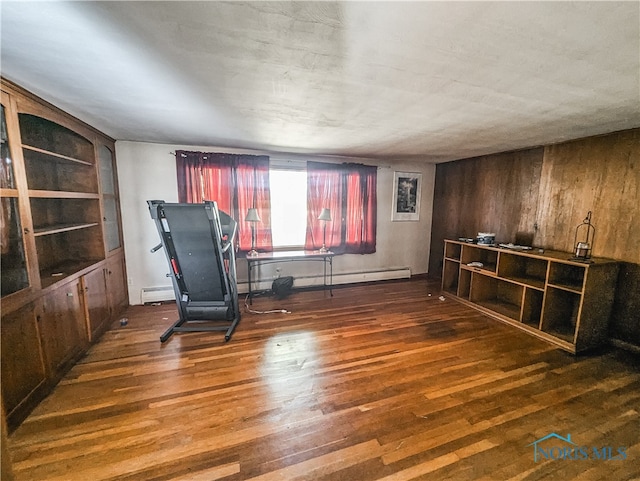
[288, 200]
[349, 192]
[288, 190]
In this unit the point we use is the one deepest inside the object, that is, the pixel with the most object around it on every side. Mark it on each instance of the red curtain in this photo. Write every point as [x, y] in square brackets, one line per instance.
[236, 183]
[324, 191]
[350, 192]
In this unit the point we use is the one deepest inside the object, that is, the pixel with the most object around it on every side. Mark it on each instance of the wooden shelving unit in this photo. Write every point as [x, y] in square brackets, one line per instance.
[546, 294]
[62, 181]
[63, 274]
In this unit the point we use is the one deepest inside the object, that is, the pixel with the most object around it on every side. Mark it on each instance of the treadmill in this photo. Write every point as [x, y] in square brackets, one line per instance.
[198, 240]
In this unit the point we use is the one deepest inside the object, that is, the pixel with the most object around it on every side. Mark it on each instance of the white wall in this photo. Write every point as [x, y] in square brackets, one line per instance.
[147, 171]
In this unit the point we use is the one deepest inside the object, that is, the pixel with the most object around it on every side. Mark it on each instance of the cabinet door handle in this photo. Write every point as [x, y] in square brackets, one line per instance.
[38, 318]
[26, 230]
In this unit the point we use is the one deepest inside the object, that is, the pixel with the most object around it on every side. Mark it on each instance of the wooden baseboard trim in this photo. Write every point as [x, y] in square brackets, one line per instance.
[627, 346]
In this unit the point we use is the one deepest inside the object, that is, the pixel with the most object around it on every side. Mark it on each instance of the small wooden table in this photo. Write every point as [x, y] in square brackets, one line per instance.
[293, 256]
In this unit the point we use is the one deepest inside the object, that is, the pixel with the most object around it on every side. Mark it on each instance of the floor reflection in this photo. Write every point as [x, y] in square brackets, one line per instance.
[288, 372]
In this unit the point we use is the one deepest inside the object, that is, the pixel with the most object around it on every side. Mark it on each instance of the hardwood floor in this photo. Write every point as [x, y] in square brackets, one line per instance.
[380, 382]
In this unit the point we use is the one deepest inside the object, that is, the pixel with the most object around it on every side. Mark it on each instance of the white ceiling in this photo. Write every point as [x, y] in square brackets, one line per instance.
[428, 81]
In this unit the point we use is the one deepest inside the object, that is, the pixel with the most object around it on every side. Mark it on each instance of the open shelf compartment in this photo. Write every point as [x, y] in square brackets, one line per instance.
[500, 296]
[526, 270]
[65, 253]
[567, 276]
[560, 313]
[43, 135]
[52, 215]
[54, 173]
[464, 284]
[488, 257]
[450, 275]
[452, 250]
[532, 307]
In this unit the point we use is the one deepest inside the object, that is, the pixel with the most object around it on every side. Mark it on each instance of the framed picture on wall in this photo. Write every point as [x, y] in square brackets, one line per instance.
[406, 196]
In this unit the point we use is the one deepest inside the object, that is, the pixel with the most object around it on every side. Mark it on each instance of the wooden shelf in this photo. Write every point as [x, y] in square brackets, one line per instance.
[543, 293]
[56, 229]
[61, 284]
[504, 308]
[488, 269]
[576, 289]
[61, 175]
[61, 271]
[56, 156]
[527, 281]
[57, 194]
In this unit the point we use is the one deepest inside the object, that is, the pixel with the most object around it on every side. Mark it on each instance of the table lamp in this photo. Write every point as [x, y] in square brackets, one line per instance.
[325, 216]
[253, 217]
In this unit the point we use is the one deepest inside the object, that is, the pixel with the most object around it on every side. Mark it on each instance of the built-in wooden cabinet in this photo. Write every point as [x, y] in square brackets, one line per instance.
[94, 287]
[116, 277]
[62, 182]
[14, 209]
[105, 295]
[63, 331]
[547, 294]
[110, 201]
[22, 374]
[63, 274]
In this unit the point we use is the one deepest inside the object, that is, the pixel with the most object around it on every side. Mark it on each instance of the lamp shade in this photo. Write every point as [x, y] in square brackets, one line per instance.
[325, 214]
[252, 215]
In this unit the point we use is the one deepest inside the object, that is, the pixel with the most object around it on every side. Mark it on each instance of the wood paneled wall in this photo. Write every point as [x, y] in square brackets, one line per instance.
[538, 197]
[597, 174]
[495, 193]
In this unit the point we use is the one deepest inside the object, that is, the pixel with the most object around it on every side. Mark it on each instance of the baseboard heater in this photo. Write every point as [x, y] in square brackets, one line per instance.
[157, 294]
[165, 293]
[338, 279]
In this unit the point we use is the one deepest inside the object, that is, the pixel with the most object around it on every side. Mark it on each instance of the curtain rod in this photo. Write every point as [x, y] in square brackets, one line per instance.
[292, 161]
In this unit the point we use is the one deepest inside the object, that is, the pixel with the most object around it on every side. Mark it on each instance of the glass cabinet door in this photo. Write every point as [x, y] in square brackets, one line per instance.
[14, 264]
[109, 198]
